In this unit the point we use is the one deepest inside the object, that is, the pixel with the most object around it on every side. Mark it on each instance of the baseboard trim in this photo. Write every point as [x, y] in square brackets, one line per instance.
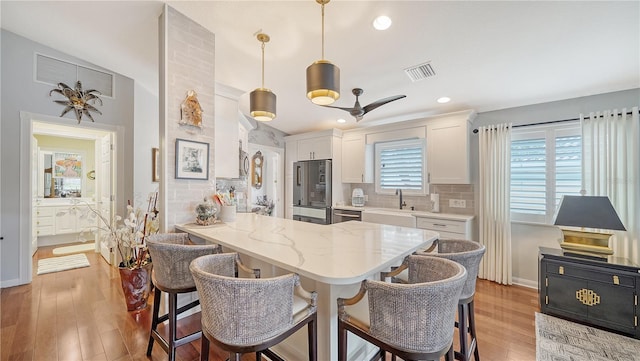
[525, 283]
[11, 283]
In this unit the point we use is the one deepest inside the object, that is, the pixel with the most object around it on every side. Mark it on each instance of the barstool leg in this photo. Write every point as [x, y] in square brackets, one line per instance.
[173, 317]
[204, 349]
[462, 330]
[472, 329]
[154, 318]
[312, 328]
[342, 342]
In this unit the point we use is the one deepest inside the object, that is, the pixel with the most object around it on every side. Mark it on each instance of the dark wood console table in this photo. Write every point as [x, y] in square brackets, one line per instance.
[597, 291]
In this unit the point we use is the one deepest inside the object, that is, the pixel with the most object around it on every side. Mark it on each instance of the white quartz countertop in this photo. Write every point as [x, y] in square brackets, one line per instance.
[341, 253]
[447, 216]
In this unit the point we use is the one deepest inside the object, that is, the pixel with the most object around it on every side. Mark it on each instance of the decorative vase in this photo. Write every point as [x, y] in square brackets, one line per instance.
[136, 286]
[206, 213]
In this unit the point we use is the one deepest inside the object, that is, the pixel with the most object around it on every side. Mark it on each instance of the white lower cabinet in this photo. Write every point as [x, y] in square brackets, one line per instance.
[54, 220]
[45, 222]
[450, 228]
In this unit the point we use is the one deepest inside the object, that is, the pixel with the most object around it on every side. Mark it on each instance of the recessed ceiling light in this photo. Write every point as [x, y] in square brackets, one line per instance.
[382, 22]
[443, 100]
[341, 120]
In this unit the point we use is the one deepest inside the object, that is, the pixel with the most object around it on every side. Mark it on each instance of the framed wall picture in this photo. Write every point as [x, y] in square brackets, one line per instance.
[155, 172]
[192, 159]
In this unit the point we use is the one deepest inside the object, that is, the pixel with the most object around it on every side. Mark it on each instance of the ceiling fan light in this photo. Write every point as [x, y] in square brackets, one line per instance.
[323, 82]
[262, 104]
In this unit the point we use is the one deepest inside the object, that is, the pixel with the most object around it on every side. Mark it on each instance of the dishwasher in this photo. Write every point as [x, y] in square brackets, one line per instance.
[344, 215]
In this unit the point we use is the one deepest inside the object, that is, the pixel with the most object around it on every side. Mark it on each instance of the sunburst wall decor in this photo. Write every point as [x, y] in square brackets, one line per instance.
[78, 100]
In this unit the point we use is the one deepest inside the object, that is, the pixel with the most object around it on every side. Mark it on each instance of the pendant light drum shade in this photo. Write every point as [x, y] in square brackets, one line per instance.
[323, 82]
[263, 104]
[262, 101]
[323, 78]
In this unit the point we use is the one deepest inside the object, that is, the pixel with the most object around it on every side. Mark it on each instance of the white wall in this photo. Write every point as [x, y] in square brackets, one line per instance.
[526, 238]
[145, 126]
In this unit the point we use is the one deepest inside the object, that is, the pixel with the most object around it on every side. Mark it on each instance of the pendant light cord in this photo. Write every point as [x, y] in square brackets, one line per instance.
[263, 64]
[322, 32]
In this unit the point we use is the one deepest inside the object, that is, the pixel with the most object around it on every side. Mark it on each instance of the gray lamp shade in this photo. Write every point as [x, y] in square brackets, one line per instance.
[589, 212]
[262, 104]
[323, 82]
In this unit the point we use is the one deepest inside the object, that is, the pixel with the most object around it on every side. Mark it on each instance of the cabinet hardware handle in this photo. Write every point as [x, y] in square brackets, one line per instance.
[546, 300]
[587, 297]
[616, 280]
[635, 300]
[561, 270]
[546, 282]
[635, 321]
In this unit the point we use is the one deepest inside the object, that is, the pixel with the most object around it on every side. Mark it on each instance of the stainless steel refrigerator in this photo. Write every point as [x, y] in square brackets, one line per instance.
[312, 191]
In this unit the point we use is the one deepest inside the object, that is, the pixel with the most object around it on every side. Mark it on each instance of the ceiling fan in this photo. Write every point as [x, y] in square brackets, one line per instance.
[359, 111]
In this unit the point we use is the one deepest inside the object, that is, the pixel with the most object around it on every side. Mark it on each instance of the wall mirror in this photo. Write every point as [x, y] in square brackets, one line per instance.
[257, 161]
[61, 174]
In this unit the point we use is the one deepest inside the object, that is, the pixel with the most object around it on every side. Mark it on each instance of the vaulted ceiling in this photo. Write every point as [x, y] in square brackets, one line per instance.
[486, 55]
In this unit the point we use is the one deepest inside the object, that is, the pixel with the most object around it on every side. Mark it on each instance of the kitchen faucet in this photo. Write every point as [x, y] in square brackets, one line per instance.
[399, 193]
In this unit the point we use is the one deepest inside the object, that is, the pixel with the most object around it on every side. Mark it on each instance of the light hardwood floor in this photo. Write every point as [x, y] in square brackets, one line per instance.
[80, 315]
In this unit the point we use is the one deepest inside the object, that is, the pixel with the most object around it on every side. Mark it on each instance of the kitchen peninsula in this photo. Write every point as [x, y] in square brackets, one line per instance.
[331, 260]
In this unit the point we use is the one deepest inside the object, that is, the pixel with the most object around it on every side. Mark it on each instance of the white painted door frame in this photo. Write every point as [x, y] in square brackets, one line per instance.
[26, 131]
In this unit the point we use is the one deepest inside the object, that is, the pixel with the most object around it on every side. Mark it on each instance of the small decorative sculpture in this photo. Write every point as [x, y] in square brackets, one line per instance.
[191, 111]
[78, 100]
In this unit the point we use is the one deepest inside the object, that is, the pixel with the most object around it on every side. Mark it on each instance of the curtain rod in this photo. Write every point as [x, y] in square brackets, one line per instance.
[549, 122]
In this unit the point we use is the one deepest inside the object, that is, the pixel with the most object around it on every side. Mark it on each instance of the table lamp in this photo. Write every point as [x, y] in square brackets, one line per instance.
[591, 212]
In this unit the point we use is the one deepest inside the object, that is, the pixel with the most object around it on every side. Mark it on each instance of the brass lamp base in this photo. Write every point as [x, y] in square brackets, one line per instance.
[589, 243]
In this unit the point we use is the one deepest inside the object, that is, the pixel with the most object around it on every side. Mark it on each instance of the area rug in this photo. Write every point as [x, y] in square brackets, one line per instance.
[74, 249]
[561, 340]
[57, 264]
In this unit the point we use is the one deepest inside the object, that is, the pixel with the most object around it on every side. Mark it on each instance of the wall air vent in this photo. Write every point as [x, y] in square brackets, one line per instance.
[53, 71]
[420, 72]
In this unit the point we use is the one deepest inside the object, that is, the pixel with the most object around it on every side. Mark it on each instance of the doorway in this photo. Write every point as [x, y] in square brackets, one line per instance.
[271, 185]
[50, 140]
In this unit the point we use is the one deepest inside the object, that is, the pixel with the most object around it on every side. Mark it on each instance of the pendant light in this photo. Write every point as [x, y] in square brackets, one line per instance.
[323, 78]
[262, 101]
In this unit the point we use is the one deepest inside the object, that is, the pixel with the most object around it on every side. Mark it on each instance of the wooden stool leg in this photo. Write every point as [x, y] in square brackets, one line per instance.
[173, 317]
[312, 328]
[154, 318]
[342, 342]
[204, 349]
[472, 330]
[462, 331]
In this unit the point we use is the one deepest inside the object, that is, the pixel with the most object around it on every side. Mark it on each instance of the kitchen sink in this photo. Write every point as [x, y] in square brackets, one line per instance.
[391, 217]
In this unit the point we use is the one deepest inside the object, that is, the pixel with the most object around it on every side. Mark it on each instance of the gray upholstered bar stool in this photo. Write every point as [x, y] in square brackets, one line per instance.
[241, 315]
[171, 254]
[412, 321]
[469, 254]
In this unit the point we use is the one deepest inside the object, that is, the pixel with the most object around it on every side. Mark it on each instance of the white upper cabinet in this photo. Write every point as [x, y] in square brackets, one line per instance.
[357, 159]
[448, 151]
[227, 151]
[315, 148]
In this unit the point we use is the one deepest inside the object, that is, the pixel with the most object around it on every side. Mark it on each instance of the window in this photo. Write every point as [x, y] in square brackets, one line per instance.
[400, 164]
[546, 164]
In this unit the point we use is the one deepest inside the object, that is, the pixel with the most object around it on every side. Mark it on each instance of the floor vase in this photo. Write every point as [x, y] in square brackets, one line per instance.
[136, 286]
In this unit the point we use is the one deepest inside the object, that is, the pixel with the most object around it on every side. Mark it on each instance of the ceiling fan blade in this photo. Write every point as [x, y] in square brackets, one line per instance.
[380, 102]
[342, 108]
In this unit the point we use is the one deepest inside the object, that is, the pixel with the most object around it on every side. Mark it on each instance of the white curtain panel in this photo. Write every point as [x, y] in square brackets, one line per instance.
[494, 197]
[611, 162]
